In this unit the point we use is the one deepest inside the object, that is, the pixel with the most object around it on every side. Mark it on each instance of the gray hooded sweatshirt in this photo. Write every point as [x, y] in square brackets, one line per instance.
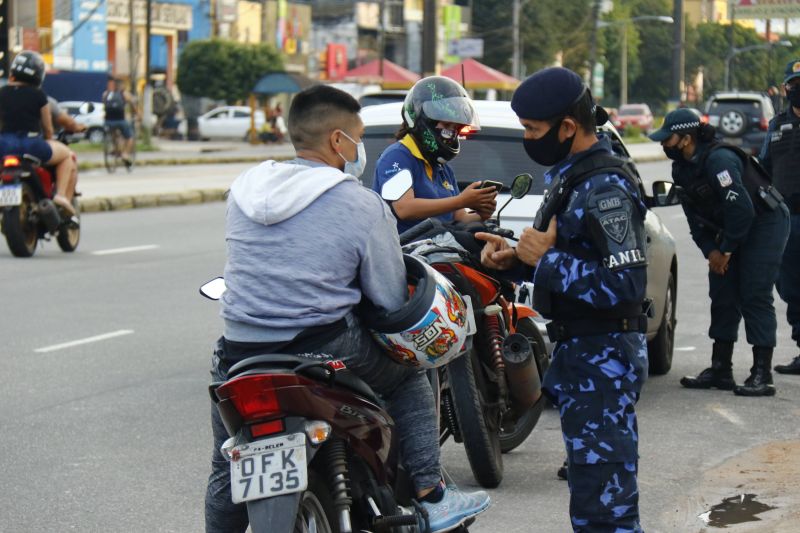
[305, 240]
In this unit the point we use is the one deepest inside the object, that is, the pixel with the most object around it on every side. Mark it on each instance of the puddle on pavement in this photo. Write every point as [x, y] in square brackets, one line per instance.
[735, 510]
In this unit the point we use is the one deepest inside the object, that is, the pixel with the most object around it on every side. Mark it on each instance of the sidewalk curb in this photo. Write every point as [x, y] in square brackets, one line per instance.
[126, 202]
[650, 159]
[93, 165]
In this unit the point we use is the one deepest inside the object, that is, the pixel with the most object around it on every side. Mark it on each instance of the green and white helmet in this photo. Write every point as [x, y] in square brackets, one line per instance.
[432, 100]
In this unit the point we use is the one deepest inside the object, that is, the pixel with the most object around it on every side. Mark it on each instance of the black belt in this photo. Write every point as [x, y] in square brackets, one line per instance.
[560, 330]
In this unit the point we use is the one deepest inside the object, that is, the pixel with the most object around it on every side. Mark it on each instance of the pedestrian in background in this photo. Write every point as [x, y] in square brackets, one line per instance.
[742, 234]
[590, 279]
[780, 155]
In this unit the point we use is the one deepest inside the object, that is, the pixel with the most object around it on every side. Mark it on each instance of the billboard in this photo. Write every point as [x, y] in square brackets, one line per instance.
[89, 39]
[766, 9]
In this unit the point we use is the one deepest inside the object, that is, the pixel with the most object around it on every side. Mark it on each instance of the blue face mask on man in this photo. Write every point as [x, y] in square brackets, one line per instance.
[355, 168]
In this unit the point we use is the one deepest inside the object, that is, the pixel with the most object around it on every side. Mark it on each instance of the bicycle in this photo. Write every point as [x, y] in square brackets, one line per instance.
[112, 151]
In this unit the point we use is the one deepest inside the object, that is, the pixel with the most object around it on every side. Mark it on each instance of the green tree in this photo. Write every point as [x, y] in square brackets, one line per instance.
[224, 70]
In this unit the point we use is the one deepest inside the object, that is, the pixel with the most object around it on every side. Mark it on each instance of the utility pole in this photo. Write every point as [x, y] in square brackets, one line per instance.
[515, 56]
[678, 53]
[132, 60]
[731, 44]
[5, 51]
[147, 107]
[430, 37]
[381, 37]
[623, 76]
[593, 40]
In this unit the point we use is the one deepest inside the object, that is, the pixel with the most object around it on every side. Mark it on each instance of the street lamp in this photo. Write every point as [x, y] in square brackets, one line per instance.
[623, 76]
[736, 51]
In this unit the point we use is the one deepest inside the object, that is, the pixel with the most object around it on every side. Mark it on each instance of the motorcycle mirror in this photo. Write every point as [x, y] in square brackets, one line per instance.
[213, 289]
[397, 186]
[664, 194]
[521, 185]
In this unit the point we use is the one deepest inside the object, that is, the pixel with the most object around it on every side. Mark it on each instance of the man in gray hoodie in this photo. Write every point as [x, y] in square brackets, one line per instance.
[305, 241]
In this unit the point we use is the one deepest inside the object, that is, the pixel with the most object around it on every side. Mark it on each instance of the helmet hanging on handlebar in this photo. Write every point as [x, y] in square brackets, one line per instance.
[430, 329]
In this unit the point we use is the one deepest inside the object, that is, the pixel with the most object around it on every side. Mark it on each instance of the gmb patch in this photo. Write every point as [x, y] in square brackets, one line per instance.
[615, 225]
[725, 179]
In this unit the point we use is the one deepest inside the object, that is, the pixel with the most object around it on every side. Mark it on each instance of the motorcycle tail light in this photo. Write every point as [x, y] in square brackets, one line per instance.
[254, 397]
[7, 178]
[764, 124]
[704, 119]
[11, 161]
[266, 428]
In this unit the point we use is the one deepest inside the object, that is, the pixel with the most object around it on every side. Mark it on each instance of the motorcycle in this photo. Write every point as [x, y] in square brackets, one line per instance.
[491, 398]
[311, 447]
[28, 212]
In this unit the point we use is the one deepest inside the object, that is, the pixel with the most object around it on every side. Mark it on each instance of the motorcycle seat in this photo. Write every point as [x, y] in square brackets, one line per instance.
[304, 365]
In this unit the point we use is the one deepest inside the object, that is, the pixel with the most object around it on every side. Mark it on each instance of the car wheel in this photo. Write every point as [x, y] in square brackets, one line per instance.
[95, 135]
[732, 122]
[660, 349]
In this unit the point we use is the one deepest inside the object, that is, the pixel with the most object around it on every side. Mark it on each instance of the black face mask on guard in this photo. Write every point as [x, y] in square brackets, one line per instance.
[548, 150]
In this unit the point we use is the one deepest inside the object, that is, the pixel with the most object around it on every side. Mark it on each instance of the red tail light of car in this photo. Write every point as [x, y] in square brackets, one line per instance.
[254, 397]
[704, 119]
[764, 124]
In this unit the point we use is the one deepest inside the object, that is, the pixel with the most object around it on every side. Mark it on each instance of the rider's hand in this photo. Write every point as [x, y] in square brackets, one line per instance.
[473, 197]
[79, 128]
[486, 214]
[496, 253]
[534, 244]
[718, 262]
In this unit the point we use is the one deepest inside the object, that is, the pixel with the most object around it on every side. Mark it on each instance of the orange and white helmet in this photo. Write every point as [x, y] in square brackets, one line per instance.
[431, 328]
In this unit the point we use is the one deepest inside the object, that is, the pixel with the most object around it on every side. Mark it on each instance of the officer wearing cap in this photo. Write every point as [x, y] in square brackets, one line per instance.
[781, 156]
[590, 280]
[740, 225]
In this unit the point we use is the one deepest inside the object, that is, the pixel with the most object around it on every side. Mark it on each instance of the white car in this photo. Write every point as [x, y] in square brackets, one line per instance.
[93, 120]
[231, 122]
[496, 153]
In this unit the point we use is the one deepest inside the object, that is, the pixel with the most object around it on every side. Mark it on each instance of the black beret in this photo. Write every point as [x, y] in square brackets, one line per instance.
[547, 93]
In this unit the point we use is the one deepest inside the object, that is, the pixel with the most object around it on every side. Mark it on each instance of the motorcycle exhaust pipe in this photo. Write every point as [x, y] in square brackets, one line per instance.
[48, 213]
[522, 376]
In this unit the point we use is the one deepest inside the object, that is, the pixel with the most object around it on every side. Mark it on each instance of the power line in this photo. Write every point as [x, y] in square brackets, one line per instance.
[76, 27]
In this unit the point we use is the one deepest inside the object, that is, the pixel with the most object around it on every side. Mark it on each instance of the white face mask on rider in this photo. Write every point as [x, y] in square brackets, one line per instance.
[355, 168]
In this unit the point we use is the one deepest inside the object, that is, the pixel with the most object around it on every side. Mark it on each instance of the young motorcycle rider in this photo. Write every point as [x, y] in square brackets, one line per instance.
[299, 262]
[27, 126]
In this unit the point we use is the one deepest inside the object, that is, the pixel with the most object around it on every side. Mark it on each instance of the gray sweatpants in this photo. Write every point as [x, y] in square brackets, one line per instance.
[405, 390]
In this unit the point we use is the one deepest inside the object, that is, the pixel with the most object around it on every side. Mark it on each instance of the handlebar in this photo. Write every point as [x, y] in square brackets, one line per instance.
[412, 234]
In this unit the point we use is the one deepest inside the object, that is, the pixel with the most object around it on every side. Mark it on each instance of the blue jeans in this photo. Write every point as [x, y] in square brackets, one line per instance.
[410, 401]
[789, 278]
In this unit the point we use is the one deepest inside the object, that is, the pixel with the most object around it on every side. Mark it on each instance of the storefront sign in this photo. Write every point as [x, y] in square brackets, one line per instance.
[165, 16]
[89, 49]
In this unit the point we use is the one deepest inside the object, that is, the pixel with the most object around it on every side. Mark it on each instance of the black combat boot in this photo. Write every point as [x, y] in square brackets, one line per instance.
[760, 381]
[720, 375]
[793, 367]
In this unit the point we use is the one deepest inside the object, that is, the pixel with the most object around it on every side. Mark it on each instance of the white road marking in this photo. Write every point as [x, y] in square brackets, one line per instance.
[685, 349]
[126, 249]
[87, 340]
[727, 415]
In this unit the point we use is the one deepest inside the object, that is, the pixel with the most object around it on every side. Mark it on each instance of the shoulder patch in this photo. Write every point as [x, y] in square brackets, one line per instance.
[615, 225]
[725, 179]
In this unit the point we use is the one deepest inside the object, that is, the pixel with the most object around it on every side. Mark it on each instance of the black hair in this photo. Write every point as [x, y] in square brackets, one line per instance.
[402, 132]
[582, 111]
[702, 134]
[318, 110]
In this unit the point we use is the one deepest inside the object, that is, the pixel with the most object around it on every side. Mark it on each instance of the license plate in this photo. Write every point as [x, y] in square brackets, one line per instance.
[267, 468]
[10, 195]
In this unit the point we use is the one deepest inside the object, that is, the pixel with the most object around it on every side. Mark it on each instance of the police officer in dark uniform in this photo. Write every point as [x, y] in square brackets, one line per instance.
[590, 279]
[740, 223]
[781, 156]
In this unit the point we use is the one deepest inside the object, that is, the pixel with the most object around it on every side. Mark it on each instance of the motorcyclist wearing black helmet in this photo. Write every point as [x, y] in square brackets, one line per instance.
[435, 112]
[27, 126]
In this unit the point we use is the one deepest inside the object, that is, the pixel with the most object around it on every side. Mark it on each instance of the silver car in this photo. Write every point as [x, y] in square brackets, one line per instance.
[495, 152]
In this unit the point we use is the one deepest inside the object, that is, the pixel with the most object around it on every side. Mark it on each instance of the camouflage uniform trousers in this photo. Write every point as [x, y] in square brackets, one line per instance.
[595, 382]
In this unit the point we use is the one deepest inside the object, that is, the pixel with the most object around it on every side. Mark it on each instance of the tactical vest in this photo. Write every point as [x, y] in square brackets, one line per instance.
[784, 151]
[704, 199]
[557, 306]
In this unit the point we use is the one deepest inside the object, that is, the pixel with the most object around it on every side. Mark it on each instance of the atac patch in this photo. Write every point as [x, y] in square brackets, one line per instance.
[615, 225]
[725, 179]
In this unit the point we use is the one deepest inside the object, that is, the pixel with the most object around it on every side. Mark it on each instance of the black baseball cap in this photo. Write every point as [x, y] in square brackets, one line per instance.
[677, 121]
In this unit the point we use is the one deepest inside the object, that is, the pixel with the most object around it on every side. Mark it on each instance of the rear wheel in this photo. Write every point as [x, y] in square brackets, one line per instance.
[477, 418]
[110, 150]
[69, 235]
[315, 512]
[660, 349]
[524, 424]
[19, 226]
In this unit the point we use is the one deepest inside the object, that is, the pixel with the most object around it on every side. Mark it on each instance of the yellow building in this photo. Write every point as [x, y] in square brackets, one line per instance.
[699, 11]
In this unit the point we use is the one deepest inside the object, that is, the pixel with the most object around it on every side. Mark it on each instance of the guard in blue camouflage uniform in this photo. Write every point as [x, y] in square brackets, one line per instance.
[589, 279]
[740, 223]
[780, 155]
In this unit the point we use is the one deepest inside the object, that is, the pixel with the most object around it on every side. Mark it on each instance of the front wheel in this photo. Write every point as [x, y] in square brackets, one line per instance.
[19, 226]
[69, 235]
[660, 349]
[524, 424]
[479, 426]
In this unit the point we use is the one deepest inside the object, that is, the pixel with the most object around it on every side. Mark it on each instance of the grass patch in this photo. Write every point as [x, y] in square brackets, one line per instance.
[85, 146]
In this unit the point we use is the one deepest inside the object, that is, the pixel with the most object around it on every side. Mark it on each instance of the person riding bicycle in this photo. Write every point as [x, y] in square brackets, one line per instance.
[27, 124]
[115, 100]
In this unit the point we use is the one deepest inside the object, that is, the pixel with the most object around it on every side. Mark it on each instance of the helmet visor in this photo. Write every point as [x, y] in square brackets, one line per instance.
[456, 109]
